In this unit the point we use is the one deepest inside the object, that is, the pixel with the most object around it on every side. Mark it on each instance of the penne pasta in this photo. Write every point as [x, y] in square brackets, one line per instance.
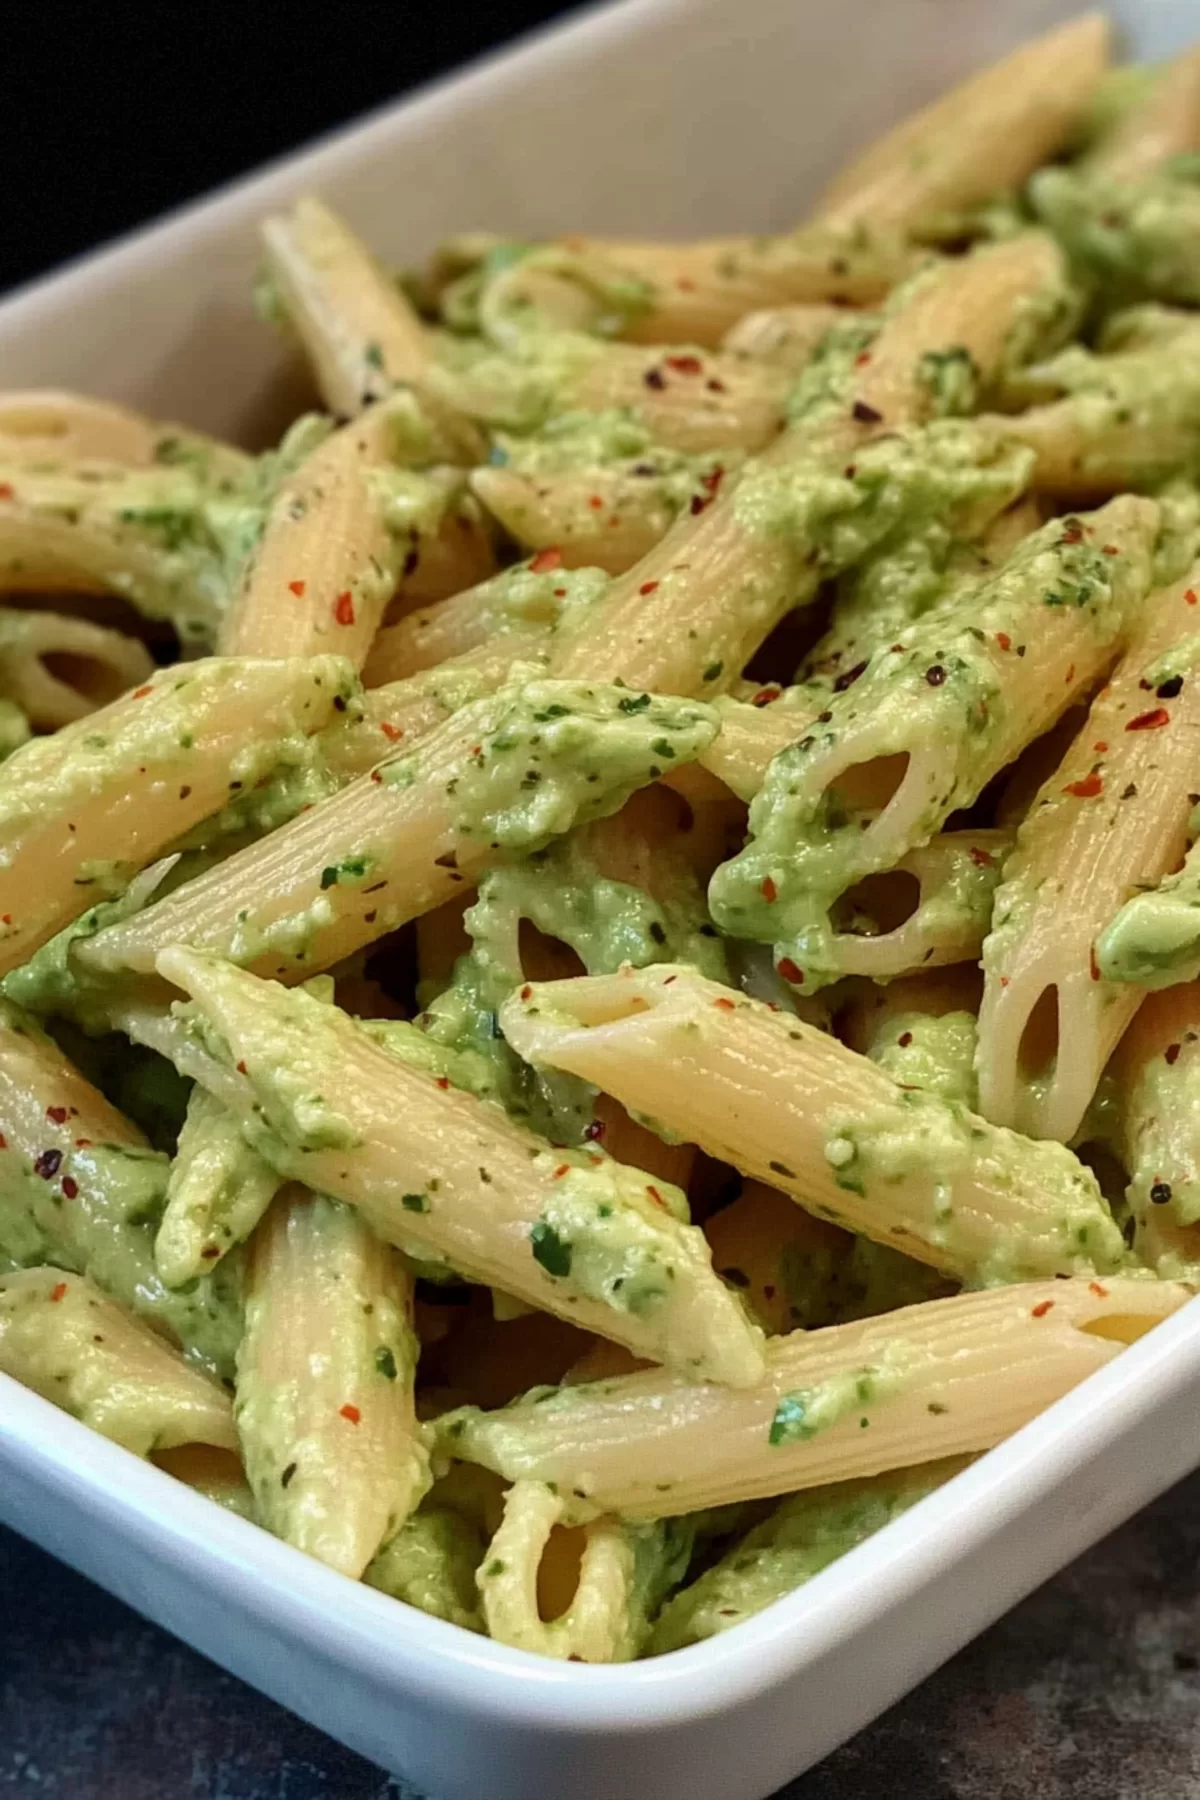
[790, 1106]
[932, 908]
[324, 1405]
[359, 332]
[443, 1174]
[217, 1192]
[1157, 1071]
[598, 518]
[984, 136]
[1165, 122]
[47, 427]
[1111, 820]
[141, 772]
[926, 726]
[498, 780]
[58, 669]
[785, 336]
[62, 1337]
[81, 1188]
[947, 1378]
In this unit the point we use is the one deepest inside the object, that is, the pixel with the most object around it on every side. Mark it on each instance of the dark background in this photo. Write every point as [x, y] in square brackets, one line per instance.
[1091, 1690]
[109, 116]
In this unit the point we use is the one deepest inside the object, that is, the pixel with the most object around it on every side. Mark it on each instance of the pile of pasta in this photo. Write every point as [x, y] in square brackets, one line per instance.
[600, 949]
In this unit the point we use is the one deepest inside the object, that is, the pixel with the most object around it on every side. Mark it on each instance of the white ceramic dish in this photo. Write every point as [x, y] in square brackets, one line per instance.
[672, 116]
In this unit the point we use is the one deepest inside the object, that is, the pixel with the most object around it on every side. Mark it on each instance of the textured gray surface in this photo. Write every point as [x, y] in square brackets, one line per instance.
[1089, 1691]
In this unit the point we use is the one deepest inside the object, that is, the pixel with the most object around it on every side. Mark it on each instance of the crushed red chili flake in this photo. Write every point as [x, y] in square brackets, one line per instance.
[1041, 1309]
[545, 560]
[595, 1131]
[140, 693]
[1070, 675]
[1095, 1288]
[443, 1081]
[1150, 721]
[1093, 965]
[57, 1113]
[788, 969]
[863, 357]
[297, 588]
[765, 696]
[349, 1412]
[1100, 747]
[376, 777]
[904, 1040]
[716, 387]
[655, 1195]
[983, 859]
[1004, 981]
[343, 608]
[768, 890]
[562, 1169]
[1171, 1054]
[241, 1068]
[685, 365]
[526, 992]
[647, 587]
[1004, 641]
[1111, 550]
[1086, 788]
[725, 1005]
[70, 1187]
[1190, 596]
[596, 502]
[6, 918]
[1073, 533]
[393, 733]
[80, 1144]
[58, 1292]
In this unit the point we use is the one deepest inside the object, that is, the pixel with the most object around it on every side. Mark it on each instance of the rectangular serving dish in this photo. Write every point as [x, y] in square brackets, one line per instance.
[679, 117]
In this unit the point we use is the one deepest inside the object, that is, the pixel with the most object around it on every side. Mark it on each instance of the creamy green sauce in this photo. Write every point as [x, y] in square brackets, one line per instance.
[930, 1051]
[430, 1563]
[1138, 240]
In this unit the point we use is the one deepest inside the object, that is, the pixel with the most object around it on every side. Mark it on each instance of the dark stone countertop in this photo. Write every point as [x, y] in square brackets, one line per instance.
[1088, 1691]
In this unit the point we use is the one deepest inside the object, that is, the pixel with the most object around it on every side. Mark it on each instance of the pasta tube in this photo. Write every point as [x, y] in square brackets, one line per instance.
[1164, 122]
[933, 908]
[783, 335]
[60, 1336]
[926, 726]
[359, 332]
[59, 669]
[499, 779]
[792, 1107]
[441, 1173]
[800, 1538]
[139, 773]
[946, 1378]
[600, 518]
[217, 1192]
[324, 1408]
[789, 521]
[1158, 1077]
[625, 1571]
[48, 426]
[1110, 821]
[81, 1188]
[986, 135]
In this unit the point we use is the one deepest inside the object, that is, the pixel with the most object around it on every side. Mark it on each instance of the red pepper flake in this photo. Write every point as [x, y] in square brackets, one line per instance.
[716, 387]
[983, 859]
[596, 502]
[1041, 1309]
[297, 588]
[7, 491]
[349, 1412]
[1070, 675]
[656, 1196]
[140, 693]
[685, 365]
[1004, 981]
[1094, 1287]
[80, 1144]
[4, 1141]
[725, 1005]
[527, 992]
[562, 1169]
[1100, 747]
[1190, 596]
[393, 733]
[545, 560]
[1093, 965]
[1111, 550]
[595, 1131]
[765, 696]
[376, 777]
[343, 608]
[647, 587]
[904, 1040]
[443, 1081]
[1086, 788]
[1150, 721]
[1073, 534]
[862, 359]
[241, 1068]
[58, 1292]
[57, 1113]
[5, 918]
[70, 1187]
[1171, 1054]
[787, 968]
[1004, 641]
[768, 890]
